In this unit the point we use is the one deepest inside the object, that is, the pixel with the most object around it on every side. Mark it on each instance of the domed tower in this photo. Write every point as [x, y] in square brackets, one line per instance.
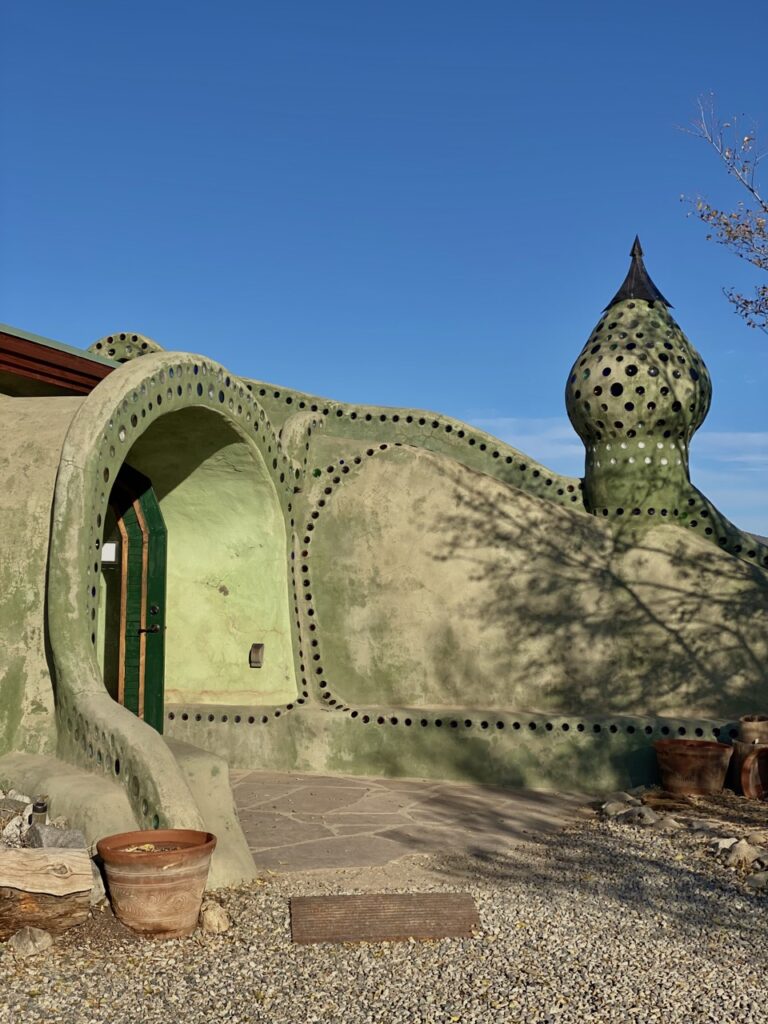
[636, 395]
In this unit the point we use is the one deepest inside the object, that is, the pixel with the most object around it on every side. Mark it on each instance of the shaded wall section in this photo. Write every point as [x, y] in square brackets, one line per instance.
[227, 581]
[31, 435]
[438, 586]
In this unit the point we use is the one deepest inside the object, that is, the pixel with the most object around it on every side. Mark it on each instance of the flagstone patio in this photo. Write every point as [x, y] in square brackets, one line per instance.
[307, 822]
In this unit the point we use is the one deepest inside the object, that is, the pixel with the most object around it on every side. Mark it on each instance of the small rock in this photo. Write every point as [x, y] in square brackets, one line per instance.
[710, 828]
[10, 809]
[613, 808]
[759, 838]
[758, 880]
[30, 941]
[214, 918]
[741, 855]
[48, 836]
[637, 791]
[13, 831]
[642, 815]
[623, 798]
[666, 823]
[719, 845]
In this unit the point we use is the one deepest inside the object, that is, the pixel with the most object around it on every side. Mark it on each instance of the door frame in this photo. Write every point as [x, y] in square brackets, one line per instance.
[143, 566]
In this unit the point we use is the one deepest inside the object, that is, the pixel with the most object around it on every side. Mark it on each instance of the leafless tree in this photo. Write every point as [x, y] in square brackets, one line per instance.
[743, 230]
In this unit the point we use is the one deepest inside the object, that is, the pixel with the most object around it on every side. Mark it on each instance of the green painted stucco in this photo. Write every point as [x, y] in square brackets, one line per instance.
[440, 585]
[227, 585]
[424, 591]
[32, 431]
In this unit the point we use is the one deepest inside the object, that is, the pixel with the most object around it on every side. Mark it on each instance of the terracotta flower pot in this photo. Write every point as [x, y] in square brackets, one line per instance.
[754, 772]
[753, 728]
[692, 766]
[156, 879]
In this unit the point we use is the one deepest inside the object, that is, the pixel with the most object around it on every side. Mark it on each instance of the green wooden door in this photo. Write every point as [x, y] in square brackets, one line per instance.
[144, 545]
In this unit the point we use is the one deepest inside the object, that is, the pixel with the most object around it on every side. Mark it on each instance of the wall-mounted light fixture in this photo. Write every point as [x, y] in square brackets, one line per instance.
[110, 553]
[256, 656]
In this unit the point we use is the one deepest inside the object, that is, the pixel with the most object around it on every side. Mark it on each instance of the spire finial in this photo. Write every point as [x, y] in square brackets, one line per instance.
[637, 284]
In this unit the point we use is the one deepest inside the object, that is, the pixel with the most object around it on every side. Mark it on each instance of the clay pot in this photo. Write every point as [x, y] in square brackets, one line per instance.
[753, 729]
[740, 752]
[156, 878]
[754, 773]
[692, 766]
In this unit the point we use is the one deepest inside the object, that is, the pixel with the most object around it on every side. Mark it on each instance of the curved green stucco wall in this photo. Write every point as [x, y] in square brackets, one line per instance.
[432, 601]
[93, 730]
[32, 431]
[435, 587]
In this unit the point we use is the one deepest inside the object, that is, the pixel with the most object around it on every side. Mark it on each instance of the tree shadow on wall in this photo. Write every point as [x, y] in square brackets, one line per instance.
[590, 617]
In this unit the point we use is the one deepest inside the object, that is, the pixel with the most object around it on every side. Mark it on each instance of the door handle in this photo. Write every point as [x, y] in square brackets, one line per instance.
[154, 628]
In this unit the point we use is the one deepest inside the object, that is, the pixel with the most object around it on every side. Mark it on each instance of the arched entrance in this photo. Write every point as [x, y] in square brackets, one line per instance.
[225, 588]
[133, 584]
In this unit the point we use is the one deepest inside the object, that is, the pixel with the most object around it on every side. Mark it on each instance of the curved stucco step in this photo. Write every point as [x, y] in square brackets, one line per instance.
[91, 803]
[207, 776]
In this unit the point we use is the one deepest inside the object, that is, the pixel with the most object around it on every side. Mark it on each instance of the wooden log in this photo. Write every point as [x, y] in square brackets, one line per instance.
[48, 889]
[55, 914]
[53, 871]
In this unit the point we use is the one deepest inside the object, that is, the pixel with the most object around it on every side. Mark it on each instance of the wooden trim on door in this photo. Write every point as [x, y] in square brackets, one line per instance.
[123, 609]
[143, 614]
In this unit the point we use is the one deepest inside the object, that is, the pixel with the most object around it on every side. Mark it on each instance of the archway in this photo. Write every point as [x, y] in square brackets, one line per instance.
[132, 600]
[226, 565]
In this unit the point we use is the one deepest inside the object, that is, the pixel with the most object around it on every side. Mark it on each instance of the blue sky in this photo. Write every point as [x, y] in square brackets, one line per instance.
[422, 204]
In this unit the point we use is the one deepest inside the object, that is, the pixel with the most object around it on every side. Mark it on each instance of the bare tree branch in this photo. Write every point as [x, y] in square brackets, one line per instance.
[743, 230]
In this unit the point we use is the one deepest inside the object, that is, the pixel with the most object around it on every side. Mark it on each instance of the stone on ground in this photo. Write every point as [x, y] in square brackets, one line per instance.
[49, 836]
[741, 855]
[637, 816]
[214, 918]
[30, 941]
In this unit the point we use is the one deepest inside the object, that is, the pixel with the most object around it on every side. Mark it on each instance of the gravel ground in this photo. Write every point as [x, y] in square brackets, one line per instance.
[600, 923]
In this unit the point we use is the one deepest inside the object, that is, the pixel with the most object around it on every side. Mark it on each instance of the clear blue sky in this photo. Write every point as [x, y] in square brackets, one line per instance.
[423, 204]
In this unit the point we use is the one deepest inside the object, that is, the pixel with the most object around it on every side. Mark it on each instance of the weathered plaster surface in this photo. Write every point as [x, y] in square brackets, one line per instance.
[32, 432]
[227, 555]
[433, 602]
[506, 748]
[436, 585]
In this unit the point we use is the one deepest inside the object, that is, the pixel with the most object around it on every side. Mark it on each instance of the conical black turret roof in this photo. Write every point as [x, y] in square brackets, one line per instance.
[637, 284]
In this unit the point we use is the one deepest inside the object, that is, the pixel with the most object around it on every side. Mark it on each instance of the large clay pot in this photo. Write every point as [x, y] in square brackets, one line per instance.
[156, 879]
[753, 729]
[692, 766]
[754, 772]
[740, 752]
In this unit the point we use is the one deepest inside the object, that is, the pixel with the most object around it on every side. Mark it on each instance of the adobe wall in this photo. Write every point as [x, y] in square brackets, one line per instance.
[32, 431]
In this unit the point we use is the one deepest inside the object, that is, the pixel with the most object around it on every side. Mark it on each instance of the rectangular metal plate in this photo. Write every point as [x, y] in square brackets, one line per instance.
[383, 917]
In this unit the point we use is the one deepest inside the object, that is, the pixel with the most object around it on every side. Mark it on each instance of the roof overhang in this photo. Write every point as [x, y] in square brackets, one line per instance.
[40, 359]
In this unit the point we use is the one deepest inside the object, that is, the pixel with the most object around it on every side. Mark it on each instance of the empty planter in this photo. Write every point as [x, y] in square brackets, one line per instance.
[156, 879]
[692, 766]
[753, 729]
[754, 773]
